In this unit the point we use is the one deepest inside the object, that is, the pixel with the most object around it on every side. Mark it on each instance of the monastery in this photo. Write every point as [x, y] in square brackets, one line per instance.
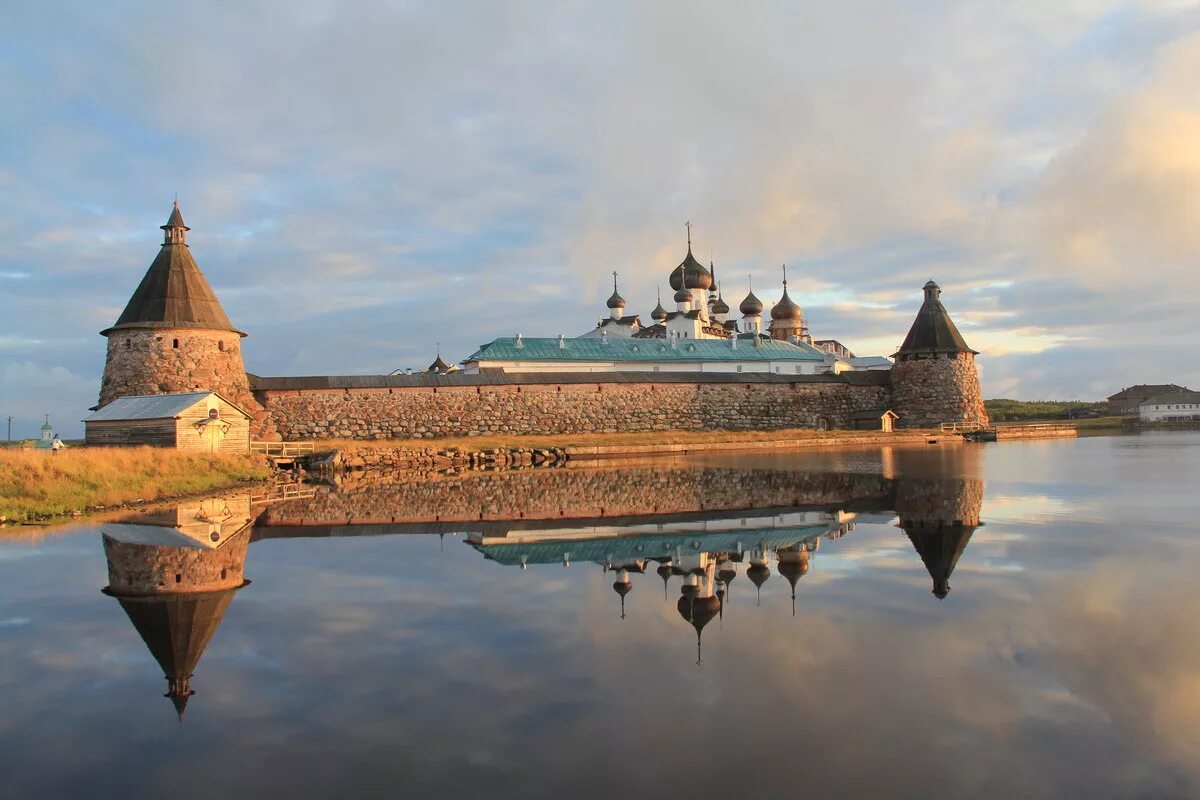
[693, 368]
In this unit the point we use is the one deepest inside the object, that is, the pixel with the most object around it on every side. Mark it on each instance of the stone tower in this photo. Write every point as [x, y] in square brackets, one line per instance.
[935, 379]
[173, 336]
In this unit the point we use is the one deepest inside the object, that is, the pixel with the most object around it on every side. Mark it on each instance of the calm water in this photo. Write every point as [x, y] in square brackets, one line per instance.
[466, 635]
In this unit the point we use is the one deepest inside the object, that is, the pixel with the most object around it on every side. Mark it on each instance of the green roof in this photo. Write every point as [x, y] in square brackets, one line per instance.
[622, 349]
[626, 548]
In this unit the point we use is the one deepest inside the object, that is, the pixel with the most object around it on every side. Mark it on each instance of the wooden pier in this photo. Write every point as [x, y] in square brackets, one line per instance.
[978, 432]
[282, 455]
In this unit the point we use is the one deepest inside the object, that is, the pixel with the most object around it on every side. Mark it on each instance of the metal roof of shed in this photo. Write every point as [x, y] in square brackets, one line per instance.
[152, 406]
[641, 350]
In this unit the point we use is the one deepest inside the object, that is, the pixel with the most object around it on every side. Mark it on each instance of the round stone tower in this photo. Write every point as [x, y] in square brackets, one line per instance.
[935, 379]
[173, 336]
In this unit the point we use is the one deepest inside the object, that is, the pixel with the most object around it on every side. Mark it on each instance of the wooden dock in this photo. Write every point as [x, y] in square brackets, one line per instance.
[978, 432]
[282, 455]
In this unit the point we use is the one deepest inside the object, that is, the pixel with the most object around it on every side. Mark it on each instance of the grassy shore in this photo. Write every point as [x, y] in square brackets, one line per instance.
[35, 484]
[502, 442]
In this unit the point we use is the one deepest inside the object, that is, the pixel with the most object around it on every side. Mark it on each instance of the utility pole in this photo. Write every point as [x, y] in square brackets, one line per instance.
[10, 428]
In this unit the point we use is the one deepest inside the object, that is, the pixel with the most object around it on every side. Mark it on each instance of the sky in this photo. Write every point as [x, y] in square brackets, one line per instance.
[365, 181]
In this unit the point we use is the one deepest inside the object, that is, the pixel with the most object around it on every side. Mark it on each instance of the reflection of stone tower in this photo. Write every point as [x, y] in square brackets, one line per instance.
[938, 502]
[935, 379]
[173, 336]
[175, 587]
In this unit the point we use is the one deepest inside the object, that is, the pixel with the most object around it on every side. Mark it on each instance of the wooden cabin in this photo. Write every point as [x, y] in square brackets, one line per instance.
[875, 420]
[197, 421]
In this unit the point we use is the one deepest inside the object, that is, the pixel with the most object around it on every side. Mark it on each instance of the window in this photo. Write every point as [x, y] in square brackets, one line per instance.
[128, 344]
[739, 368]
[175, 343]
[221, 346]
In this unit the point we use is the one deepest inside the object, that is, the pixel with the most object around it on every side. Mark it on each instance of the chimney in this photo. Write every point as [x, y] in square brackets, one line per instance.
[562, 343]
[733, 343]
[757, 340]
[519, 342]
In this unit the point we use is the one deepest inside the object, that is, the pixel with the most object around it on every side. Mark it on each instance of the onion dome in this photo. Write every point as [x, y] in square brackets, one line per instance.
[616, 301]
[659, 313]
[758, 574]
[751, 306]
[720, 307]
[683, 296]
[726, 575]
[691, 274]
[785, 310]
[793, 570]
[698, 612]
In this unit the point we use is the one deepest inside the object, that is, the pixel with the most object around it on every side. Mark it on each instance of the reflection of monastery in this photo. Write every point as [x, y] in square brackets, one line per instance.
[175, 573]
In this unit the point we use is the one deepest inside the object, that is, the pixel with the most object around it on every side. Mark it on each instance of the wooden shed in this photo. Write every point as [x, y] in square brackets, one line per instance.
[875, 420]
[200, 421]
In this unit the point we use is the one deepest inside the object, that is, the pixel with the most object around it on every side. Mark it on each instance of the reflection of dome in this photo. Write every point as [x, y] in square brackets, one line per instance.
[698, 612]
[940, 549]
[793, 570]
[758, 574]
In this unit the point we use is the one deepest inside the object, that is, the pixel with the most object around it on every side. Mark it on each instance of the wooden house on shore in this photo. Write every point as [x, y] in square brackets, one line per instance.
[199, 421]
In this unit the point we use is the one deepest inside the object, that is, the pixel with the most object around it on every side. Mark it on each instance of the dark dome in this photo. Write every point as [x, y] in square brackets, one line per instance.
[758, 574]
[698, 611]
[695, 276]
[720, 307]
[616, 301]
[683, 296]
[793, 570]
[659, 313]
[726, 575]
[622, 587]
[751, 306]
[785, 310]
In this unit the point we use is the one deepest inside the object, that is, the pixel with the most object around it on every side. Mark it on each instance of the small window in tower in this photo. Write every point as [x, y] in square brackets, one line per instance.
[128, 344]
[221, 346]
[175, 343]
[178, 578]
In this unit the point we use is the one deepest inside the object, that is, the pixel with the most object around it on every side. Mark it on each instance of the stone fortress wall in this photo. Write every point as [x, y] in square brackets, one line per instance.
[565, 408]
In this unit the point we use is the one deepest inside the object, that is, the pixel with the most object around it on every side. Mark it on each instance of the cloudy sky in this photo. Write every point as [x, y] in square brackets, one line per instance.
[366, 180]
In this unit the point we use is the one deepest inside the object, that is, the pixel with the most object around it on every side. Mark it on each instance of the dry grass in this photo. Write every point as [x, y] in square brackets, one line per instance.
[590, 439]
[34, 483]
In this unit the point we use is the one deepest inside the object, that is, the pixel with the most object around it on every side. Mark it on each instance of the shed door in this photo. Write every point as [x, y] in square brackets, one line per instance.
[213, 434]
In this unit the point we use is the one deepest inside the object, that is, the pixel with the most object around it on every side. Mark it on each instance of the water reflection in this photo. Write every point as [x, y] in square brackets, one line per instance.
[174, 574]
[697, 528]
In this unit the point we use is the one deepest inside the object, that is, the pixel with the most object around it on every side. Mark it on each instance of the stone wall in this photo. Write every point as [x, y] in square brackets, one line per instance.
[164, 360]
[927, 391]
[383, 413]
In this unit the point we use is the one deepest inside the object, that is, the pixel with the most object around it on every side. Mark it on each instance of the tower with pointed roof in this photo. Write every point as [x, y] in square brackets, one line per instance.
[787, 318]
[935, 379]
[173, 335]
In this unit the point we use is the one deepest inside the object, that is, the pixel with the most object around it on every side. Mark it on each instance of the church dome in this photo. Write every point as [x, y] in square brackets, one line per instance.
[751, 306]
[785, 310]
[616, 301]
[720, 307]
[683, 296]
[659, 313]
[691, 274]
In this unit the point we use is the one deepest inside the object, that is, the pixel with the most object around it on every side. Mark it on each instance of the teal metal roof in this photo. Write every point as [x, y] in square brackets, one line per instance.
[620, 349]
[628, 548]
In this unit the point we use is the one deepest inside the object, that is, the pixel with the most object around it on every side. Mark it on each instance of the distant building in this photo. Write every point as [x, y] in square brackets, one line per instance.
[604, 354]
[1129, 400]
[203, 421]
[1182, 405]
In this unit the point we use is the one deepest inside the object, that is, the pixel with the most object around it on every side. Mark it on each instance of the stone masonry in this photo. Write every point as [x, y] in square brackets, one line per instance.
[928, 390]
[563, 408]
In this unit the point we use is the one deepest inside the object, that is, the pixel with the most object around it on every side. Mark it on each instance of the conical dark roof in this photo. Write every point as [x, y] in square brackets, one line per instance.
[174, 292]
[438, 365]
[933, 331]
[786, 310]
[751, 305]
[940, 549]
[176, 629]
